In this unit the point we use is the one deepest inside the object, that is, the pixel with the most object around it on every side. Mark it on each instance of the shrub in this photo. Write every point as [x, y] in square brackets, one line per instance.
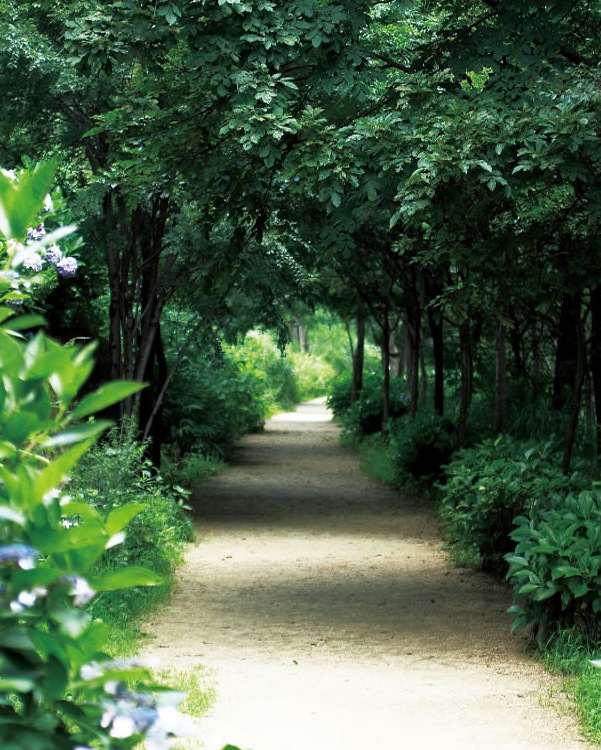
[260, 356]
[489, 485]
[421, 447]
[366, 415]
[556, 565]
[211, 402]
[110, 476]
[339, 399]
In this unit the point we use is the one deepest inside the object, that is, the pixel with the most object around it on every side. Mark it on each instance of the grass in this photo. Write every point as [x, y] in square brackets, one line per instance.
[569, 653]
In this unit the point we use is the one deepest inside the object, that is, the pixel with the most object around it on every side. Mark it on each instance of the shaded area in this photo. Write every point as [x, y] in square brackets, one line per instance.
[332, 617]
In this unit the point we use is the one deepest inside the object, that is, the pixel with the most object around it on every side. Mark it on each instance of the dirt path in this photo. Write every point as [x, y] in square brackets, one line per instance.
[333, 620]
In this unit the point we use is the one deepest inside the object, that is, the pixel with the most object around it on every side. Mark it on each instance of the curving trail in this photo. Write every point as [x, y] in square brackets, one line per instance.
[332, 619]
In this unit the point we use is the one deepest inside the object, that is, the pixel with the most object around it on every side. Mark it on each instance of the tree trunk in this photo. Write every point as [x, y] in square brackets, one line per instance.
[413, 326]
[385, 370]
[303, 338]
[576, 398]
[596, 359]
[467, 375]
[500, 382]
[359, 354]
[435, 323]
[566, 353]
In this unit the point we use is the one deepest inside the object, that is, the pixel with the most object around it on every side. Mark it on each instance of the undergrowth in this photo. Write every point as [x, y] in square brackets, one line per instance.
[569, 653]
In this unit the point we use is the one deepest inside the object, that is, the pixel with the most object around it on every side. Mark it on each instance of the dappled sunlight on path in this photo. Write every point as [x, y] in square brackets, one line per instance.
[332, 619]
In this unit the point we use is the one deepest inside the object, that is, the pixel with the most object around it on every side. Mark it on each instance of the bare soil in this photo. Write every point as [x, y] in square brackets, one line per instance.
[333, 619]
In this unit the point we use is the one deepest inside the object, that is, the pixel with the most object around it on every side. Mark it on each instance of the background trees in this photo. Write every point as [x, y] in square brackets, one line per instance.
[428, 167]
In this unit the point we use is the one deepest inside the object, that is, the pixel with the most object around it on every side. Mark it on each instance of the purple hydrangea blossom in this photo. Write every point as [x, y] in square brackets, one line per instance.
[37, 233]
[156, 717]
[67, 267]
[22, 554]
[53, 255]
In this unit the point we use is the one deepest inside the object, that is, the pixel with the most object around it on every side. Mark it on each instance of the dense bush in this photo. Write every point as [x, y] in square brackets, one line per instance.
[556, 565]
[365, 416]
[491, 484]
[211, 402]
[339, 398]
[111, 476]
[419, 448]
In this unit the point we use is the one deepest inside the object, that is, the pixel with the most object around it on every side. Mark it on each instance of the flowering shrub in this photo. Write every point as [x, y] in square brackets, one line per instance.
[58, 688]
[28, 249]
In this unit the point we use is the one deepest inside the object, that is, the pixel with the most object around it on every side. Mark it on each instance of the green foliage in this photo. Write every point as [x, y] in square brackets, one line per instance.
[58, 688]
[194, 468]
[377, 458]
[491, 484]
[116, 475]
[214, 400]
[312, 373]
[421, 447]
[365, 416]
[556, 566]
[262, 359]
[339, 399]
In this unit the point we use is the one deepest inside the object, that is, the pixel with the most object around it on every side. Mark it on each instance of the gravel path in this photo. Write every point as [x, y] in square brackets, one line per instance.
[333, 620]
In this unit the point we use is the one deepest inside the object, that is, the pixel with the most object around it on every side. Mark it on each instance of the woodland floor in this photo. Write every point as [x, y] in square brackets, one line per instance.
[333, 619]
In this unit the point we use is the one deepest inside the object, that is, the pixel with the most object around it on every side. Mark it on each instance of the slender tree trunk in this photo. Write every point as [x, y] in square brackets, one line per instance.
[359, 354]
[436, 331]
[423, 391]
[303, 338]
[413, 325]
[112, 261]
[566, 352]
[596, 359]
[576, 398]
[385, 370]
[500, 381]
[467, 375]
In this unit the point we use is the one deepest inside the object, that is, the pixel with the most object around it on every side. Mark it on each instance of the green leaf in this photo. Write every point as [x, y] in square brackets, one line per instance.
[105, 396]
[51, 477]
[16, 685]
[119, 517]
[126, 578]
[21, 202]
[23, 322]
[77, 434]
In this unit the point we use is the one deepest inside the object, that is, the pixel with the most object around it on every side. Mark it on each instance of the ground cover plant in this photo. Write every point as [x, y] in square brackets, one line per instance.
[115, 474]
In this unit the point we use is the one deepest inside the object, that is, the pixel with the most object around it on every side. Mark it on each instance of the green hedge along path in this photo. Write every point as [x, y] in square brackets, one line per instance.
[333, 619]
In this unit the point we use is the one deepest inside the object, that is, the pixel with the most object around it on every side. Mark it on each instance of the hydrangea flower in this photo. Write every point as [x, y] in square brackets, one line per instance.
[154, 716]
[37, 233]
[27, 599]
[32, 262]
[53, 255]
[81, 591]
[22, 554]
[67, 267]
